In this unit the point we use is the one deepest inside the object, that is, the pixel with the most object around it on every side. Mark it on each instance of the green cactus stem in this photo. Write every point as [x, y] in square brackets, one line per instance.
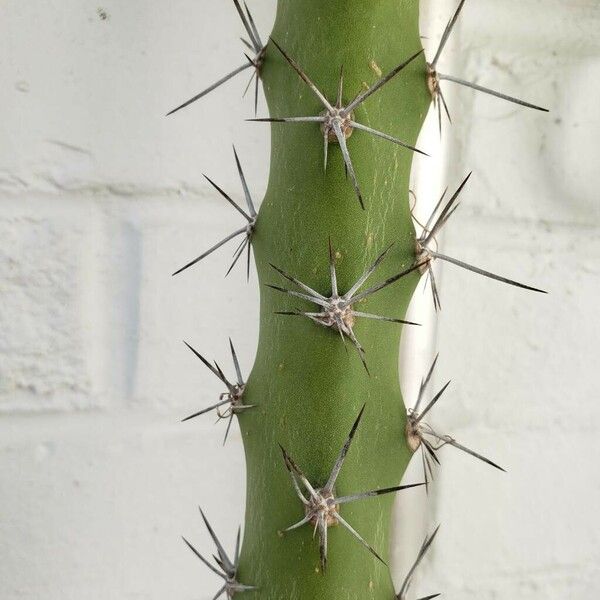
[306, 385]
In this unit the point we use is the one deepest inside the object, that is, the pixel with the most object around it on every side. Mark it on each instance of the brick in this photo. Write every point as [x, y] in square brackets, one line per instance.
[47, 311]
[199, 305]
[174, 54]
[93, 506]
[510, 350]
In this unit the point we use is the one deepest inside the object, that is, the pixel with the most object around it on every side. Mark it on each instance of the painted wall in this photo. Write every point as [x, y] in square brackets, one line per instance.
[102, 197]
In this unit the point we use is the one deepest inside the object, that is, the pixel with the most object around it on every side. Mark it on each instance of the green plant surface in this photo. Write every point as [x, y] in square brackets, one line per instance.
[308, 387]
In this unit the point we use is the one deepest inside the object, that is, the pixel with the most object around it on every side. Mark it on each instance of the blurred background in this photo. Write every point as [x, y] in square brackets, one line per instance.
[102, 198]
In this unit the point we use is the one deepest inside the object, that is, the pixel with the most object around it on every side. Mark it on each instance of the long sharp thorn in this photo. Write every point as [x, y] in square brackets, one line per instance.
[447, 210]
[365, 315]
[468, 267]
[425, 471]
[254, 28]
[359, 537]
[299, 493]
[432, 402]
[323, 544]
[434, 291]
[367, 273]
[325, 150]
[304, 77]
[248, 44]
[427, 227]
[374, 493]
[387, 282]
[310, 119]
[445, 106]
[348, 161]
[213, 569]
[485, 90]
[236, 363]
[422, 552]
[425, 383]
[239, 246]
[208, 365]
[313, 314]
[297, 525]
[290, 469]
[427, 465]
[332, 273]
[219, 562]
[248, 248]
[454, 443]
[427, 462]
[439, 113]
[223, 378]
[432, 453]
[229, 422]
[210, 88]
[222, 554]
[220, 593]
[446, 34]
[385, 136]
[380, 83]
[256, 93]
[342, 455]
[254, 74]
[247, 195]
[300, 295]
[205, 410]
[246, 24]
[361, 352]
[340, 327]
[244, 588]
[340, 92]
[289, 313]
[232, 202]
[211, 250]
[447, 216]
[294, 468]
[237, 255]
[297, 282]
[236, 560]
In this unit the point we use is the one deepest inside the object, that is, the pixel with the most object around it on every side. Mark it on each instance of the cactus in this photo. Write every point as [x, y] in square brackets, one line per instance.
[348, 88]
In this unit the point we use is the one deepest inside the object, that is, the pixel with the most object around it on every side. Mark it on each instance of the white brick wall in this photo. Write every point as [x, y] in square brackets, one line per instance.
[101, 198]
